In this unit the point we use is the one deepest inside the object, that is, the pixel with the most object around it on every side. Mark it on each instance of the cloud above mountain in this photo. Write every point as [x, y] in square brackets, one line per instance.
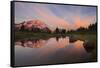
[61, 16]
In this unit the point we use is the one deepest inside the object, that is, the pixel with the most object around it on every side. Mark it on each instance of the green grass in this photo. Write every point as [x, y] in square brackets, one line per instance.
[80, 35]
[22, 35]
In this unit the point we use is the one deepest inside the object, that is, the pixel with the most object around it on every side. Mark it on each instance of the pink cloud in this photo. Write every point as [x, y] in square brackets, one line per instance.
[82, 22]
[51, 19]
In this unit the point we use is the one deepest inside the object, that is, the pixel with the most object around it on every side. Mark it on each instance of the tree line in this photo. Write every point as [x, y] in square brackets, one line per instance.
[92, 27]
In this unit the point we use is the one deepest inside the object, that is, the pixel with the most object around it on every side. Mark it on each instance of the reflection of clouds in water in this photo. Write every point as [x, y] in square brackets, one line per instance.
[78, 44]
[38, 43]
[63, 42]
[74, 52]
[53, 45]
[53, 50]
[50, 44]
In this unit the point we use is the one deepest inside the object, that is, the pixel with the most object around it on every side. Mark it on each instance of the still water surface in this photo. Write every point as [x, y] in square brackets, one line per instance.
[50, 51]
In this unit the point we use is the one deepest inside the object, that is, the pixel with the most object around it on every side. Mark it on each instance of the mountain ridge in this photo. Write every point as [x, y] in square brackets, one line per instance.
[31, 25]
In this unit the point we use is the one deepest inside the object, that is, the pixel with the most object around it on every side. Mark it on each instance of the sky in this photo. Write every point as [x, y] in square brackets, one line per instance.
[56, 16]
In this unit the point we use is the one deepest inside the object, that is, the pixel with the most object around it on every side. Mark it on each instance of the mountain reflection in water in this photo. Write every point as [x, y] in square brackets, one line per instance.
[50, 51]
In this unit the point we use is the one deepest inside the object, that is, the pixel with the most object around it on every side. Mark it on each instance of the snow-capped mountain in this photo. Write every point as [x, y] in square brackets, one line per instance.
[29, 25]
